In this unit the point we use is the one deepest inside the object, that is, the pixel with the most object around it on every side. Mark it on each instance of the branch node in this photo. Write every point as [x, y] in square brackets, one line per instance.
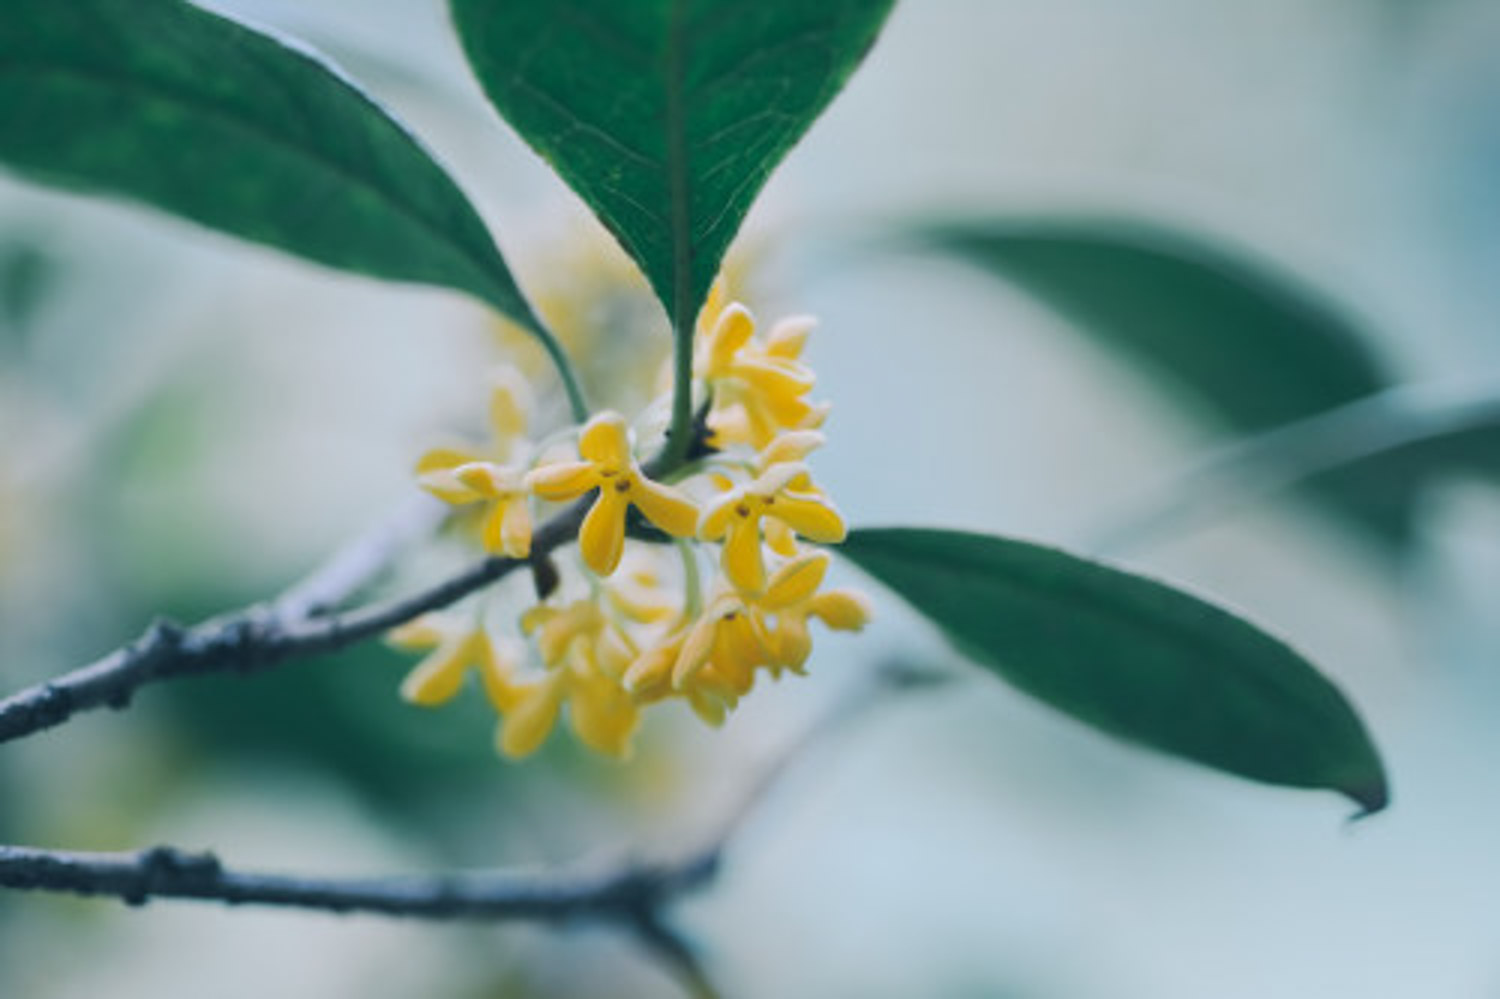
[54, 705]
[163, 868]
[544, 575]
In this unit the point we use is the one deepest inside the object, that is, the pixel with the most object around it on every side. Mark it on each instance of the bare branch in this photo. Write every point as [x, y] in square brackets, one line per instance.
[258, 637]
[167, 872]
[634, 894]
[676, 954]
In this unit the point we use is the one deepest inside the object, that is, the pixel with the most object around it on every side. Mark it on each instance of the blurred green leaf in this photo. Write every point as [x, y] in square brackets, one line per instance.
[1247, 348]
[164, 103]
[1131, 656]
[666, 116]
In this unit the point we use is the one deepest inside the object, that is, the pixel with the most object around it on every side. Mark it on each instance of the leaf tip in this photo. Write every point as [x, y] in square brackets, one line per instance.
[1373, 796]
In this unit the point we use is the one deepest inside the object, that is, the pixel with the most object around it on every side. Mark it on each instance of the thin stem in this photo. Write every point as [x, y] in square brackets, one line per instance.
[577, 405]
[692, 580]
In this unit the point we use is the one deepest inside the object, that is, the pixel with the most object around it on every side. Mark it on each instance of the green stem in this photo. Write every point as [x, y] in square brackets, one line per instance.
[692, 580]
[565, 372]
[680, 433]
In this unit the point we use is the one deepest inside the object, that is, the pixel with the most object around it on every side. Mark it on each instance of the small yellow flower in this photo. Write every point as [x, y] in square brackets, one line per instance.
[792, 597]
[758, 388]
[455, 646]
[775, 494]
[506, 529]
[528, 711]
[462, 476]
[585, 655]
[609, 467]
[649, 680]
[711, 661]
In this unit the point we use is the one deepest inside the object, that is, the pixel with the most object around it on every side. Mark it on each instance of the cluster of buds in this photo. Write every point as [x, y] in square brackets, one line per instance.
[641, 622]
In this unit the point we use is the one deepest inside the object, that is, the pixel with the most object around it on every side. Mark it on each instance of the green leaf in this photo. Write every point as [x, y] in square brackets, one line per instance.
[666, 116]
[164, 103]
[1131, 656]
[1239, 344]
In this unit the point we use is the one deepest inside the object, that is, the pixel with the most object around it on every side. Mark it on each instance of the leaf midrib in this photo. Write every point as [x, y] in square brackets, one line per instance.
[678, 184]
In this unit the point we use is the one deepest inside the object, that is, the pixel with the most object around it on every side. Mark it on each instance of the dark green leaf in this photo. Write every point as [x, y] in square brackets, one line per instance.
[1246, 347]
[1131, 656]
[162, 102]
[666, 116]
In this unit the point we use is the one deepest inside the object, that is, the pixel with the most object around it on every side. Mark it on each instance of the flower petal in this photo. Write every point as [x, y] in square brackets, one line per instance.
[496, 674]
[790, 445]
[491, 480]
[665, 507]
[713, 305]
[446, 457]
[811, 516]
[515, 527]
[510, 404]
[562, 481]
[604, 716]
[696, 649]
[841, 610]
[601, 539]
[730, 332]
[796, 581]
[779, 538]
[446, 486]
[742, 559]
[745, 643]
[524, 729]
[604, 441]
[775, 378]
[441, 675]
[788, 337]
[718, 514]
[711, 709]
[649, 677]
[793, 641]
[422, 633]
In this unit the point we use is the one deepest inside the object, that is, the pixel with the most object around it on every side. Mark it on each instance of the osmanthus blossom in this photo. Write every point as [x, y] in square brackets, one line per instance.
[736, 519]
[619, 634]
[759, 387]
[462, 476]
[712, 658]
[608, 466]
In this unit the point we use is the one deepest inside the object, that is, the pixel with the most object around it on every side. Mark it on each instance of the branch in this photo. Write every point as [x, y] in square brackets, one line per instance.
[1287, 455]
[167, 872]
[632, 893]
[263, 636]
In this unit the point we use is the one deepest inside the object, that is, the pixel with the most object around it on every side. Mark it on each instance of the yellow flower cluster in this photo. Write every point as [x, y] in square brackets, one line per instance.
[639, 624]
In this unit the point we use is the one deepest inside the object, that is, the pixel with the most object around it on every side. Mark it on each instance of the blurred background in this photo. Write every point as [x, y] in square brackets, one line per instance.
[188, 423]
